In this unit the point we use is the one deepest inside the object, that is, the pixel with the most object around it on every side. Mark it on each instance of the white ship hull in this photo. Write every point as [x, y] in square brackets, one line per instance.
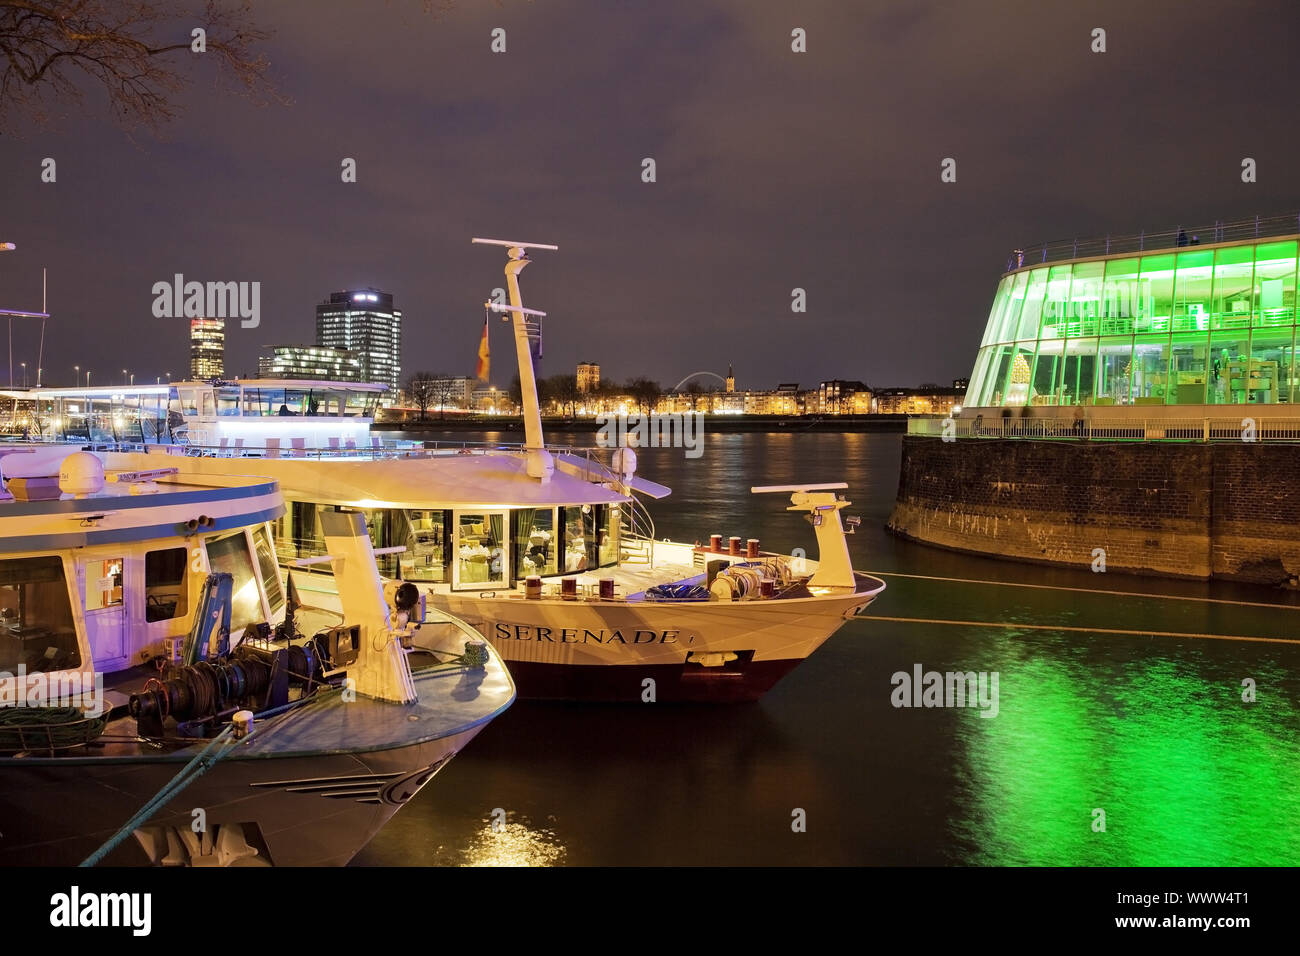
[716, 651]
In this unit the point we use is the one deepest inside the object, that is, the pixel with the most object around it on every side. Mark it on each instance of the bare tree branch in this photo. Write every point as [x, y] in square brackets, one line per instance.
[135, 50]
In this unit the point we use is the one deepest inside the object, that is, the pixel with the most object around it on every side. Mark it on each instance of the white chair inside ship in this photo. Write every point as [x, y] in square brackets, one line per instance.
[475, 564]
[575, 557]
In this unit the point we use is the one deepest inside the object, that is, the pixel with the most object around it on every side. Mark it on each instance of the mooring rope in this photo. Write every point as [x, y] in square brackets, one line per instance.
[201, 763]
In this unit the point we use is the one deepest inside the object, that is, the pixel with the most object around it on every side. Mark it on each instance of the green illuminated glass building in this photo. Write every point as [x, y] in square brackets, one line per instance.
[1176, 321]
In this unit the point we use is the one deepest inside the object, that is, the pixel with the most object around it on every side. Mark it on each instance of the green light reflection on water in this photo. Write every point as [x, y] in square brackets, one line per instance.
[1187, 774]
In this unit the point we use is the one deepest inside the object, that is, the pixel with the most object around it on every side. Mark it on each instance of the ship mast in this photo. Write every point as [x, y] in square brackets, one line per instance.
[540, 463]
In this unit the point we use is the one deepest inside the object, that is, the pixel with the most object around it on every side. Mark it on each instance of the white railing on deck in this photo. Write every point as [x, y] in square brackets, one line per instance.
[428, 449]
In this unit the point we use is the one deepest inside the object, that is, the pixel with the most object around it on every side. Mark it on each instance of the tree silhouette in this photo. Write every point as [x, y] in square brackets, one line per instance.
[136, 51]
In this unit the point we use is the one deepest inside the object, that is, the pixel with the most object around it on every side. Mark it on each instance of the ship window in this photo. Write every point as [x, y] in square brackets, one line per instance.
[536, 543]
[230, 554]
[165, 586]
[266, 563]
[304, 536]
[587, 537]
[607, 517]
[425, 558]
[482, 554]
[36, 624]
[360, 404]
[103, 583]
[228, 401]
[206, 408]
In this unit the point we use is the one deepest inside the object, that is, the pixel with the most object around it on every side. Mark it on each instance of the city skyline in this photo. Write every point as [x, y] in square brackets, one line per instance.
[775, 171]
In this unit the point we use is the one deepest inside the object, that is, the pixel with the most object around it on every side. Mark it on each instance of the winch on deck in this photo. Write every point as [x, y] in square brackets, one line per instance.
[207, 682]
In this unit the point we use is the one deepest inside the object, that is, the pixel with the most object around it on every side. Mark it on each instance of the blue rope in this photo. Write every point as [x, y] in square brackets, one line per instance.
[199, 765]
[187, 775]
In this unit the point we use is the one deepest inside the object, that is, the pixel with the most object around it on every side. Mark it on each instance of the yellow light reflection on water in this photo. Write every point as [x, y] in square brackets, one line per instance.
[514, 844]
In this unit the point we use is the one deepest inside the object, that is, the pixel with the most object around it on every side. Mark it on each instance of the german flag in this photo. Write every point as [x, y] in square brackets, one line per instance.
[483, 363]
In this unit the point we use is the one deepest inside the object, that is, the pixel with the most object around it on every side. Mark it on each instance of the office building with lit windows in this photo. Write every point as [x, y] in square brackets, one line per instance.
[1187, 317]
[207, 348]
[363, 321]
[316, 362]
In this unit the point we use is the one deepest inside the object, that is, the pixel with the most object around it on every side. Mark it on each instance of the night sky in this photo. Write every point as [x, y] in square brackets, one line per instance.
[775, 170]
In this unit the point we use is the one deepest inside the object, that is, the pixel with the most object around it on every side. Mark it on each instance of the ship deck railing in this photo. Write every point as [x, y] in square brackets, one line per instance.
[1237, 428]
[595, 455]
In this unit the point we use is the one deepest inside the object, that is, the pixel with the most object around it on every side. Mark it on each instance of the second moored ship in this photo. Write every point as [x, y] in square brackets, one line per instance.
[549, 552]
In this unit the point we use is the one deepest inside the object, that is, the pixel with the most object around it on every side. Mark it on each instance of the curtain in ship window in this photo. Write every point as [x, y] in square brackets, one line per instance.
[594, 523]
[496, 545]
[521, 528]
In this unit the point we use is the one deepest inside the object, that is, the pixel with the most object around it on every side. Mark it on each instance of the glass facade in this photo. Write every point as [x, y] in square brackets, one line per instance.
[1191, 326]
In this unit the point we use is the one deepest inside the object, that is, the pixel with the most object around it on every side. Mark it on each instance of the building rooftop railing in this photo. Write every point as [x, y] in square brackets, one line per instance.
[1173, 237]
[1238, 428]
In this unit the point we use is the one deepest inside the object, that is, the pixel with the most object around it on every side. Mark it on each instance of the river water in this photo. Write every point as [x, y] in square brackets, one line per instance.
[1106, 749]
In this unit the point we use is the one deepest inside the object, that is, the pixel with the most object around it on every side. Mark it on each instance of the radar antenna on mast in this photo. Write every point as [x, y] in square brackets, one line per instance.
[540, 463]
[510, 243]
